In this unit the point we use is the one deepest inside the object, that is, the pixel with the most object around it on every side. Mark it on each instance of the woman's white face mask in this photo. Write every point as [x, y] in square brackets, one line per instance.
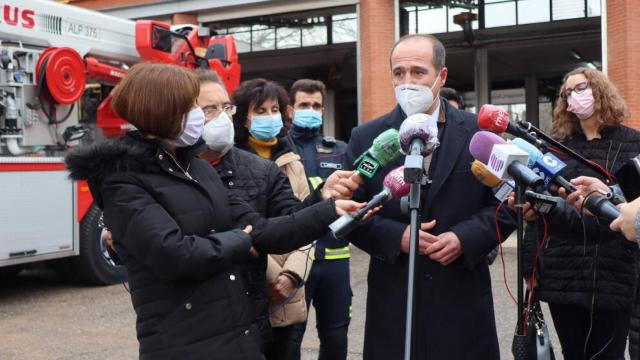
[194, 124]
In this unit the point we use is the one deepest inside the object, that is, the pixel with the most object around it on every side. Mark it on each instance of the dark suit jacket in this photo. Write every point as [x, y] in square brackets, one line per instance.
[454, 306]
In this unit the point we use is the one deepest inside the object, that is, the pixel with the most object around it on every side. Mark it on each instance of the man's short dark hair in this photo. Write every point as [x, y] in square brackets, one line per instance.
[307, 86]
[451, 94]
[439, 53]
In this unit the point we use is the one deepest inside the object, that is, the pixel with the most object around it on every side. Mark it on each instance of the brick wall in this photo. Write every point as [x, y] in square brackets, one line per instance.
[177, 19]
[623, 52]
[377, 35]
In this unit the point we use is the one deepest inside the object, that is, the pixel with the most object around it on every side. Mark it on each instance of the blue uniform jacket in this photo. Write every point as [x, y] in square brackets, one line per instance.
[321, 156]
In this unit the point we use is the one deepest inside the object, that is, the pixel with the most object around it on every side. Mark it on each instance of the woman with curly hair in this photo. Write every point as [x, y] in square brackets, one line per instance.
[262, 111]
[587, 273]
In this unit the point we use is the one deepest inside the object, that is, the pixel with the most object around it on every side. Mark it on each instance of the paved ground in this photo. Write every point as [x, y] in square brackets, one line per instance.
[42, 317]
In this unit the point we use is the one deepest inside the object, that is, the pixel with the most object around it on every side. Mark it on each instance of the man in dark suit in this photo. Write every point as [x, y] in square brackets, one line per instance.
[454, 317]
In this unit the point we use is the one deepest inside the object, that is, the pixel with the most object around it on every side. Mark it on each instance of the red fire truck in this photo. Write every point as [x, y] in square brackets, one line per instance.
[58, 65]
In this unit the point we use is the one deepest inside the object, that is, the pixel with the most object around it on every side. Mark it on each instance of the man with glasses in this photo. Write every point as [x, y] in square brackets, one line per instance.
[260, 183]
[328, 287]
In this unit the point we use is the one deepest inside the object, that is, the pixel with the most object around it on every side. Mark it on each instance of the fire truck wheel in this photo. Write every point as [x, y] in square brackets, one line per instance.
[8, 274]
[94, 265]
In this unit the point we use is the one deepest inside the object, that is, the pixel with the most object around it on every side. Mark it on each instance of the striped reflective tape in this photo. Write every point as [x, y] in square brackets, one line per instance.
[315, 181]
[339, 253]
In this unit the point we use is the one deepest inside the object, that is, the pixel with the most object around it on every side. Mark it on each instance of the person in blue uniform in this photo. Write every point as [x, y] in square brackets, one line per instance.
[328, 288]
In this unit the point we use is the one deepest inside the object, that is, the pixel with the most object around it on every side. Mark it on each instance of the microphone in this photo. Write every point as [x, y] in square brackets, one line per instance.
[501, 189]
[481, 144]
[601, 207]
[628, 177]
[418, 138]
[482, 174]
[495, 119]
[394, 187]
[384, 150]
[505, 161]
[419, 130]
[534, 153]
[548, 166]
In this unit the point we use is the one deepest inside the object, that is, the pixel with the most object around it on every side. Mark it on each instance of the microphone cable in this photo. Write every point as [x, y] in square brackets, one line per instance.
[534, 272]
[501, 251]
[594, 281]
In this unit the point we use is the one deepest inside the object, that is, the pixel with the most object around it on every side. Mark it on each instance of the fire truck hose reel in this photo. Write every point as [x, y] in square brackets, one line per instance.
[63, 75]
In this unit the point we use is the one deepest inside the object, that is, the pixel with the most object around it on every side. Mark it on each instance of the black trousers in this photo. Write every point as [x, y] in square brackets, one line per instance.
[328, 289]
[285, 344]
[606, 340]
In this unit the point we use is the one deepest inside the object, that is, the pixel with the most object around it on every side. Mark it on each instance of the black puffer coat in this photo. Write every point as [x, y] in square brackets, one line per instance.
[173, 229]
[573, 269]
[634, 328]
[261, 184]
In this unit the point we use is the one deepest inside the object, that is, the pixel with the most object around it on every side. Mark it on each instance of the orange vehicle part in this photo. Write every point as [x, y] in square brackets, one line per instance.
[84, 199]
[156, 43]
[104, 73]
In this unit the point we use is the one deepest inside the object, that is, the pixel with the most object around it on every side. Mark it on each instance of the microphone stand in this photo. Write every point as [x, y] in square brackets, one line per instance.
[519, 345]
[527, 126]
[414, 174]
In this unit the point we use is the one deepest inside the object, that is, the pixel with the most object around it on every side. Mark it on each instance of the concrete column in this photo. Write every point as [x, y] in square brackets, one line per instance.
[377, 27]
[623, 53]
[531, 99]
[329, 124]
[481, 76]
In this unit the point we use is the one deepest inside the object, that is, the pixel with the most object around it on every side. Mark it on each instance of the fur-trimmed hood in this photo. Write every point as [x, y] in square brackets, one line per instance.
[125, 153]
[131, 152]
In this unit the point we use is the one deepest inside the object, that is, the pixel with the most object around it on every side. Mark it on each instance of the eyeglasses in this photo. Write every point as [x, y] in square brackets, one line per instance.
[578, 89]
[212, 111]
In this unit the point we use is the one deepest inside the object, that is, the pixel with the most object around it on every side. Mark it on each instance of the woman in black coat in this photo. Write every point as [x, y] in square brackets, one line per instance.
[173, 222]
[587, 273]
[260, 183]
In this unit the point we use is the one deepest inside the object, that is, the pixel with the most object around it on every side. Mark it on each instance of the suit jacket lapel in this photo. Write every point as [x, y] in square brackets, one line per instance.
[452, 145]
[394, 121]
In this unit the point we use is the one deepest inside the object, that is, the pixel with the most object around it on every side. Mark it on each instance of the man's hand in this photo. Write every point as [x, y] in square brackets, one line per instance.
[584, 185]
[446, 249]
[529, 213]
[424, 238]
[626, 222]
[280, 290]
[341, 185]
[590, 184]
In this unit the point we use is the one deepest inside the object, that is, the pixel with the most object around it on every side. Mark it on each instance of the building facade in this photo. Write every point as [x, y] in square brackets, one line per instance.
[507, 52]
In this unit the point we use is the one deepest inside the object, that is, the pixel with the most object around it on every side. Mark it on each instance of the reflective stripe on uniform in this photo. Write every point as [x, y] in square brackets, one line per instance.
[339, 253]
[315, 181]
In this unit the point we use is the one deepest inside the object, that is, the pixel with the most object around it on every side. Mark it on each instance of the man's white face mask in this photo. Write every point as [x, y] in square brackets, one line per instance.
[218, 134]
[415, 99]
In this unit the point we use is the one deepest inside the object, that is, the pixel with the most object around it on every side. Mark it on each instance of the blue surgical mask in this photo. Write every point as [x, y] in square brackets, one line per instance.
[307, 118]
[265, 127]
